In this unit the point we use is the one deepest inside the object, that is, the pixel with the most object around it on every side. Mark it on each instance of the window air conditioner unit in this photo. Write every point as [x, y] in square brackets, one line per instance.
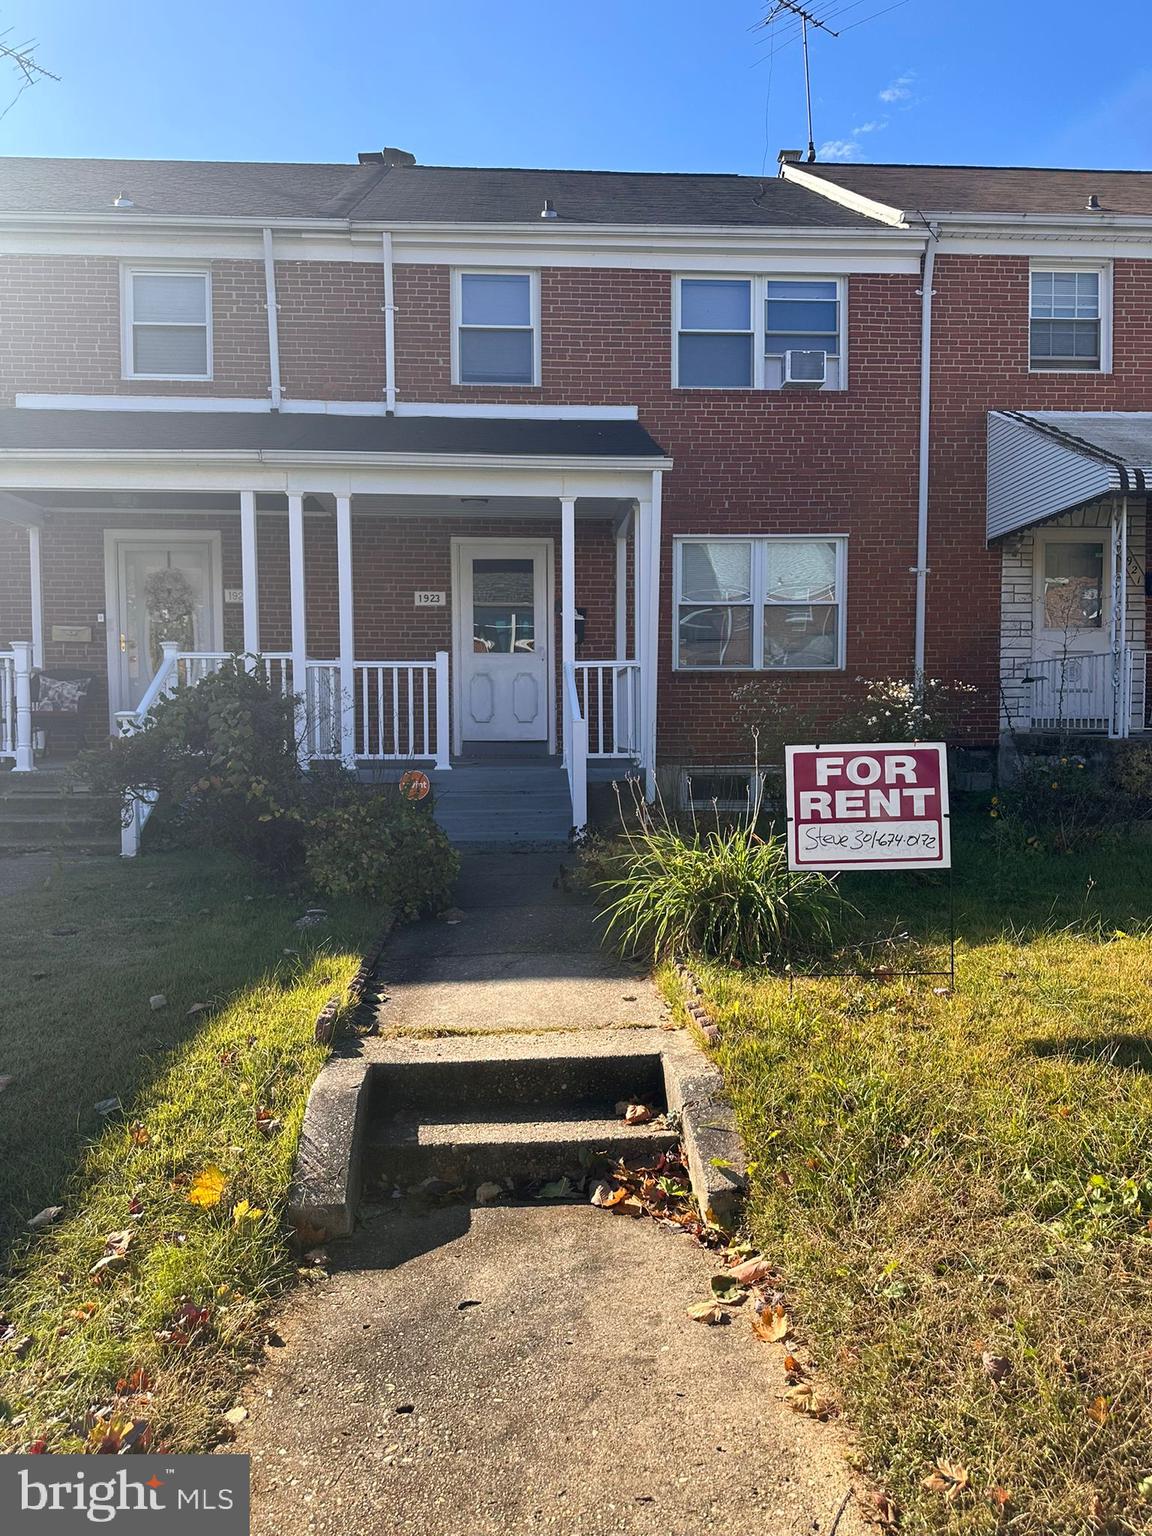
[805, 370]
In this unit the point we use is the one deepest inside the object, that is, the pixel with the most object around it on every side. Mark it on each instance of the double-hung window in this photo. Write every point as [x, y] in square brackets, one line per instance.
[770, 603]
[1068, 319]
[167, 323]
[737, 332]
[497, 328]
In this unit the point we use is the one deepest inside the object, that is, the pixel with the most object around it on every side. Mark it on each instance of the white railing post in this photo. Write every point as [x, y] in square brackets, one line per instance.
[347, 630]
[443, 713]
[576, 744]
[22, 653]
[299, 625]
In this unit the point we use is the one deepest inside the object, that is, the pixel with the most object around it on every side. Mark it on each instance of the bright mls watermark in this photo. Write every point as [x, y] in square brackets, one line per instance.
[60, 1495]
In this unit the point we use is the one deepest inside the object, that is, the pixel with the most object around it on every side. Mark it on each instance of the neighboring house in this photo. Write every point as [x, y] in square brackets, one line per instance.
[504, 463]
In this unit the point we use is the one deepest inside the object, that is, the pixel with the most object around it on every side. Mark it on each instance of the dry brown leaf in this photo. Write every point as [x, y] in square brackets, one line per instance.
[803, 1398]
[707, 1312]
[882, 1511]
[792, 1366]
[772, 1326]
[1098, 1410]
[638, 1114]
[751, 1272]
[1000, 1497]
[996, 1367]
[948, 1478]
[605, 1196]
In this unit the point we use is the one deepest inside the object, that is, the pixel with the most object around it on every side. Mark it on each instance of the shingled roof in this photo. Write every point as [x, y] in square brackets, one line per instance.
[400, 194]
[991, 188]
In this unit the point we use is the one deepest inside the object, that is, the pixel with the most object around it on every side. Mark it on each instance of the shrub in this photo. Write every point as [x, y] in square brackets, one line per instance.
[379, 846]
[1058, 804]
[1132, 777]
[893, 709]
[726, 894]
[222, 757]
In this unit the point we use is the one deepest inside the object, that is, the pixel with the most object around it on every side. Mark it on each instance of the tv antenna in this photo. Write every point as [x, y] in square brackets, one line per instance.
[789, 8]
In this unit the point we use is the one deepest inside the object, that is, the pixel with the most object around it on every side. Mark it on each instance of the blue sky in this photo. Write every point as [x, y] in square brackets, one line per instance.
[619, 84]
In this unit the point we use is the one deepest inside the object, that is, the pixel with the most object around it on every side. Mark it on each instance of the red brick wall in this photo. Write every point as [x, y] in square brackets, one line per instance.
[61, 329]
[980, 364]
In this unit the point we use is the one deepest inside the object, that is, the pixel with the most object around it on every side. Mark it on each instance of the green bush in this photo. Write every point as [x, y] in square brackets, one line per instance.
[725, 894]
[382, 847]
[222, 759]
[1057, 804]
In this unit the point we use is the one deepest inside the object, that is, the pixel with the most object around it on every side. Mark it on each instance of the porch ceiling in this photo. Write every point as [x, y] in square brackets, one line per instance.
[1042, 464]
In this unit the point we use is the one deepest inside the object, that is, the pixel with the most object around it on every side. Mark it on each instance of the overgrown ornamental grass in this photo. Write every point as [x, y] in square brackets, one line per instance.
[194, 1090]
[949, 1177]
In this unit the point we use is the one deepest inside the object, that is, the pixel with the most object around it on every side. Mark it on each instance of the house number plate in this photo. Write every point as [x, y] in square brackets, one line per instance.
[429, 599]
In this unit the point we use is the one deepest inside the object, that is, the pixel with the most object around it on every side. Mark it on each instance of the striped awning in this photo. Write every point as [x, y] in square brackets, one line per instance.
[1044, 463]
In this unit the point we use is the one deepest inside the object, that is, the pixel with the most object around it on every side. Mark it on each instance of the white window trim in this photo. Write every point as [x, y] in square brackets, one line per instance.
[457, 312]
[1103, 270]
[759, 282]
[759, 541]
[130, 270]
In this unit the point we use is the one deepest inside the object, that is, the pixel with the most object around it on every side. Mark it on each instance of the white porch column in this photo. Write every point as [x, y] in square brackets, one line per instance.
[1121, 661]
[36, 585]
[249, 574]
[651, 657]
[622, 529]
[347, 630]
[22, 651]
[299, 619]
[567, 581]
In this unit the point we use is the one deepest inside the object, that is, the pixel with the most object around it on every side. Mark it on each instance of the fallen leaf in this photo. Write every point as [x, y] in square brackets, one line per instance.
[107, 1106]
[236, 1415]
[556, 1189]
[197, 1008]
[725, 1289]
[707, 1312]
[792, 1366]
[1098, 1410]
[243, 1211]
[751, 1272]
[157, 1001]
[139, 1135]
[996, 1367]
[638, 1114]
[948, 1478]
[1000, 1496]
[486, 1193]
[48, 1214]
[207, 1187]
[605, 1196]
[119, 1242]
[884, 1511]
[772, 1325]
[803, 1398]
[138, 1381]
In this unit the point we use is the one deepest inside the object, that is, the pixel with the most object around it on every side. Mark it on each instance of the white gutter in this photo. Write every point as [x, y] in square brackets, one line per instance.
[273, 321]
[389, 325]
[921, 566]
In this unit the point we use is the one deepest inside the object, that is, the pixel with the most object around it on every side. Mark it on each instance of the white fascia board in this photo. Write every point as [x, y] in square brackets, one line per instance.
[224, 404]
[792, 170]
[1047, 242]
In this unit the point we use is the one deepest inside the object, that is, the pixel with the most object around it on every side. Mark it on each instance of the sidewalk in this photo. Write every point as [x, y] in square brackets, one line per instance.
[491, 1371]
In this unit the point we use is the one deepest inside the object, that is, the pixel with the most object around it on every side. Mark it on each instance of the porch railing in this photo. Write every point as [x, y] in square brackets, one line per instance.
[609, 693]
[16, 706]
[397, 710]
[1106, 692]
[575, 747]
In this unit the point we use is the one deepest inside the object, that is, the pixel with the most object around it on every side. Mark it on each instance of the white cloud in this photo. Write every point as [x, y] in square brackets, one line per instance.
[838, 149]
[898, 90]
[875, 126]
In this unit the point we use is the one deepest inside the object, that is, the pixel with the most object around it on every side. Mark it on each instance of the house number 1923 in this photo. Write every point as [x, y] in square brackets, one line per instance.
[429, 600]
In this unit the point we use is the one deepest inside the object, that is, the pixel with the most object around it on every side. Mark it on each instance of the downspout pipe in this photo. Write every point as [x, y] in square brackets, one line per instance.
[273, 321]
[920, 569]
[389, 324]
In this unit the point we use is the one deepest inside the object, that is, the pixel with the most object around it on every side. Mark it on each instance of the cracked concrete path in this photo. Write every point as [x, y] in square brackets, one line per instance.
[572, 1395]
[513, 1370]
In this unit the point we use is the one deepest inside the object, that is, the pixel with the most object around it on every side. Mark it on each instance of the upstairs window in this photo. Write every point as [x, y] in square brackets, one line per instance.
[167, 324]
[497, 328]
[737, 333]
[1067, 320]
[760, 603]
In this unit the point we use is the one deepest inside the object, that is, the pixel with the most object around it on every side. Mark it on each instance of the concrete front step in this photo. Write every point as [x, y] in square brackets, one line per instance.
[406, 1150]
[519, 802]
[57, 832]
[454, 1084]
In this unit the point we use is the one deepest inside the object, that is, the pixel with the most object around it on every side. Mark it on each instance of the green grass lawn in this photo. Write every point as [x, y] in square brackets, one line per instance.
[222, 1087]
[959, 1186]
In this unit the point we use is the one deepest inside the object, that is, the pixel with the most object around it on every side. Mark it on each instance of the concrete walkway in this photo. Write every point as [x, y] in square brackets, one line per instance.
[529, 1368]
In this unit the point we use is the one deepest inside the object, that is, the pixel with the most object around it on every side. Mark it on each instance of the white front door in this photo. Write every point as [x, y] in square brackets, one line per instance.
[1072, 627]
[161, 589]
[503, 634]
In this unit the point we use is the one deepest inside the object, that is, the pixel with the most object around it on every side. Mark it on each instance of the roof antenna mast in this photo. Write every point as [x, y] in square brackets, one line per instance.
[789, 8]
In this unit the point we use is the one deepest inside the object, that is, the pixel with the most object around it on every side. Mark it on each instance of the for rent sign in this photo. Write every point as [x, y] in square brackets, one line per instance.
[868, 806]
